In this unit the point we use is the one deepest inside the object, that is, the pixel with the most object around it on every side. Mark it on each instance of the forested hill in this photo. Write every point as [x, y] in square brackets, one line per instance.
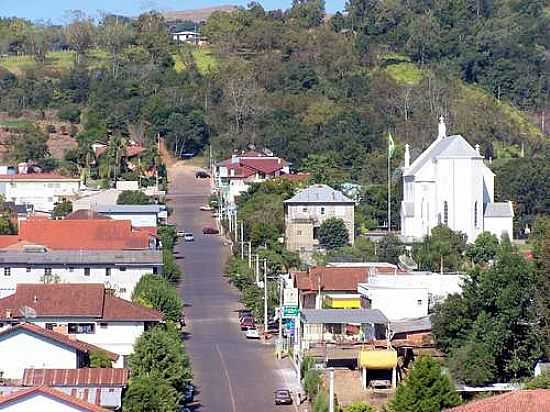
[322, 91]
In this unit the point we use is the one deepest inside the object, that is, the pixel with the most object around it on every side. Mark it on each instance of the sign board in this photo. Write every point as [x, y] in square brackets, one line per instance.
[290, 311]
[290, 327]
[290, 297]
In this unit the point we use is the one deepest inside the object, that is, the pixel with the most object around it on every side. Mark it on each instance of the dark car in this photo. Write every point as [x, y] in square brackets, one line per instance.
[247, 323]
[202, 175]
[282, 397]
[209, 230]
[188, 392]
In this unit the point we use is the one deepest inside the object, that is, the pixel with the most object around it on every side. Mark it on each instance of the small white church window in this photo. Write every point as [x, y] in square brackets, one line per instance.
[445, 213]
[475, 214]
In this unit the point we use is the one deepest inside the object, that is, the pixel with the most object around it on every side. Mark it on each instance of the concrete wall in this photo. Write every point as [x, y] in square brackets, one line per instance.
[499, 226]
[122, 281]
[398, 303]
[24, 350]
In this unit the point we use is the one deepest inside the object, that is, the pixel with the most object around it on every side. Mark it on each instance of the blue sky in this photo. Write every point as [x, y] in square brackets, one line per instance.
[54, 10]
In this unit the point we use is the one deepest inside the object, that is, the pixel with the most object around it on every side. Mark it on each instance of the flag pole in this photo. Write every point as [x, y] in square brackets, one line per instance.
[389, 190]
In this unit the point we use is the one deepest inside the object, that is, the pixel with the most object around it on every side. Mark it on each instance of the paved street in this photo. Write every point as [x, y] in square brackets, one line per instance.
[232, 374]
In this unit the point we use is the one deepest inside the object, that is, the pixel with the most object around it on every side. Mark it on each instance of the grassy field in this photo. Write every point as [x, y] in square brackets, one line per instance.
[405, 73]
[205, 61]
[15, 123]
[61, 60]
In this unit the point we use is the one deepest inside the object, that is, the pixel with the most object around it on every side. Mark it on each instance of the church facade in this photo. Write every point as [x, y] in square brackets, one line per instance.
[450, 184]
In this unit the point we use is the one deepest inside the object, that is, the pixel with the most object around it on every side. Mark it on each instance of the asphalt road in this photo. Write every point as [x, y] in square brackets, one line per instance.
[232, 374]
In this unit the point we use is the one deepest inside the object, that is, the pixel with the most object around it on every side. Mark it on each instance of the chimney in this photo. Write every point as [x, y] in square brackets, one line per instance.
[477, 149]
[8, 314]
[407, 156]
[35, 299]
[442, 129]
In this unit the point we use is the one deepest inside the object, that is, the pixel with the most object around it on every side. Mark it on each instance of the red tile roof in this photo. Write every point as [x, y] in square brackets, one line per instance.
[50, 393]
[85, 300]
[103, 377]
[85, 234]
[60, 338]
[537, 400]
[38, 176]
[265, 165]
[331, 278]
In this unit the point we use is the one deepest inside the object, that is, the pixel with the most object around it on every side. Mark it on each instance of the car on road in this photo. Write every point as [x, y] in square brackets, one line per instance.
[282, 397]
[202, 175]
[188, 237]
[206, 208]
[247, 322]
[188, 393]
[252, 333]
[209, 230]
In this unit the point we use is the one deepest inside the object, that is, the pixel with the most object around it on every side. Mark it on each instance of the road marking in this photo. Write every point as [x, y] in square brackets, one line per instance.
[226, 372]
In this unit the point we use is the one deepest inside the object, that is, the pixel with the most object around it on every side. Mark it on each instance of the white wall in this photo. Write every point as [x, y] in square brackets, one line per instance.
[123, 282]
[39, 402]
[398, 303]
[499, 225]
[23, 350]
[42, 194]
[137, 219]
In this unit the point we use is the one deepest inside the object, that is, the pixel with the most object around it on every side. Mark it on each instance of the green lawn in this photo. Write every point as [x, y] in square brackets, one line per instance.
[405, 73]
[15, 123]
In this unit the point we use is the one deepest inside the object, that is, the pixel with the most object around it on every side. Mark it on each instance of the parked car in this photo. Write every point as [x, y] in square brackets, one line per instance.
[282, 397]
[202, 175]
[180, 234]
[209, 230]
[252, 333]
[206, 208]
[188, 237]
[247, 323]
[188, 392]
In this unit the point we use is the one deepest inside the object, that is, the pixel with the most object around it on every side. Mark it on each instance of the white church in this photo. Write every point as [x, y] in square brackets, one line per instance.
[450, 184]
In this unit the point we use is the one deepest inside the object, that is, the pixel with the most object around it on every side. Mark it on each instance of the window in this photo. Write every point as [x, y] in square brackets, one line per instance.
[103, 325]
[299, 232]
[47, 271]
[304, 209]
[71, 270]
[122, 268]
[81, 328]
[28, 270]
[475, 214]
[445, 213]
[86, 271]
[107, 271]
[316, 232]
[7, 271]
[50, 326]
[419, 302]
[322, 210]
[122, 290]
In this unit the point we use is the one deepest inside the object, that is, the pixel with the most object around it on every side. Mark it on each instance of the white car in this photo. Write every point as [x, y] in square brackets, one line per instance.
[206, 208]
[252, 333]
[188, 237]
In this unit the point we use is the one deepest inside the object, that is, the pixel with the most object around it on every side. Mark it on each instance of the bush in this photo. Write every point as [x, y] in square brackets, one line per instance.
[100, 359]
[157, 293]
[62, 209]
[159, 351]
[133, 197]
[150, 393]
[333, 233]
[312, 383]
[539, 382]
[69, 113]
[359, 407]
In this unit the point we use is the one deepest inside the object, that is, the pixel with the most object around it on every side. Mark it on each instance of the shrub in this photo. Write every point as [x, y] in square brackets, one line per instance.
[69, 113]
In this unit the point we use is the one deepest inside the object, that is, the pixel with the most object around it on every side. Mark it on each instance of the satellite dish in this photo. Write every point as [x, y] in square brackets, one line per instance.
[27, 312]
[407, 263]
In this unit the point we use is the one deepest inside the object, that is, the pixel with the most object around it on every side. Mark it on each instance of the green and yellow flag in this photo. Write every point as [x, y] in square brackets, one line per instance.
[391, 145]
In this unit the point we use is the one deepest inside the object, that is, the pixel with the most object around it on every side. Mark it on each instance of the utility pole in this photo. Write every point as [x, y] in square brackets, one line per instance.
[280, 342]
[331, 391]
[249, 254]
[242, 240]
[265, 296]
[257, 269]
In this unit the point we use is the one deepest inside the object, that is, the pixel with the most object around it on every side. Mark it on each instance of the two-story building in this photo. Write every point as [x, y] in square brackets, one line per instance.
[118, 270]
[87, 312]
[235, 175]
[307, 210]
[42, 190]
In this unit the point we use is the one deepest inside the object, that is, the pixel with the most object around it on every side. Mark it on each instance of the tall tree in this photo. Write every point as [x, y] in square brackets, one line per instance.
[426, 389]
[333, 233]
[150, 393]
[80, 34]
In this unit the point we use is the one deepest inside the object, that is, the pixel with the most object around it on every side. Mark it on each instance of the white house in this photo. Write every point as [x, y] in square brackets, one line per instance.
[87, 312]
[235, 175]
[43, 398]
[410, 295]
[118, 270]
[30, 346]
[42, 190]
[186, 36]
[450, 184]
[139, 215]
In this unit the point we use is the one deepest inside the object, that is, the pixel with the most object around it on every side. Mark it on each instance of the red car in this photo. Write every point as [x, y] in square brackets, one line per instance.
[209, 230]
[247, 323]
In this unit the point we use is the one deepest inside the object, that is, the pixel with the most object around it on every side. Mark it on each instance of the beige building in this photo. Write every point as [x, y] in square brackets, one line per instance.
[307, 210]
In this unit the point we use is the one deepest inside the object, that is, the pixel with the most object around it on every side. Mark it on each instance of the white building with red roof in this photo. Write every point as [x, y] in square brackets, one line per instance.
[42, 190]
[87, 312]
[234, 175]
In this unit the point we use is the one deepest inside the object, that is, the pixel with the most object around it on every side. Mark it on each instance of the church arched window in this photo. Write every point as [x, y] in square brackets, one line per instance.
[445, 213]
[475, 214]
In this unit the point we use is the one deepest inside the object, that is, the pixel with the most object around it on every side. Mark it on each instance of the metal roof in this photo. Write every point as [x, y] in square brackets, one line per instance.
[411, 325]
[319, 194]
[317, 316]
[129, 208]
[499, 209]
[82, 257]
